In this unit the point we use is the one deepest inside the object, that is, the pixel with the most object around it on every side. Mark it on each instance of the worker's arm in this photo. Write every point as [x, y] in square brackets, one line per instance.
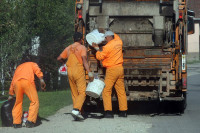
[11, 91]
[42, 83]
[101, 55]
[37, 70]
[39, 74]
[95, 46]
[86, 65]
[62, 57]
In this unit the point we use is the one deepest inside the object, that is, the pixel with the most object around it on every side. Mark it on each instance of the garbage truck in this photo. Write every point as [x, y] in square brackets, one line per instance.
[154, 35]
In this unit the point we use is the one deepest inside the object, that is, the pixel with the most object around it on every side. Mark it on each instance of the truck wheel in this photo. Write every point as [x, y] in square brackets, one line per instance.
[183, 103]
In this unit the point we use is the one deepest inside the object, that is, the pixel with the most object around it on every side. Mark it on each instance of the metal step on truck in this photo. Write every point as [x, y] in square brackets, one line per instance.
[154, 35]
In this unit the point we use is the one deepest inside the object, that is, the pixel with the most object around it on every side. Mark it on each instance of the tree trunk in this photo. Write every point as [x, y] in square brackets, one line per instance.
[2, 75]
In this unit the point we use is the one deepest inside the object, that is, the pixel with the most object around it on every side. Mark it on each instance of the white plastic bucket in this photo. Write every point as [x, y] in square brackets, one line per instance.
[95, 88]
[95, 37]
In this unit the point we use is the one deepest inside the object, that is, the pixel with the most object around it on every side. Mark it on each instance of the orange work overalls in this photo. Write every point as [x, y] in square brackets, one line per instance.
[77, 81]
[24, 86]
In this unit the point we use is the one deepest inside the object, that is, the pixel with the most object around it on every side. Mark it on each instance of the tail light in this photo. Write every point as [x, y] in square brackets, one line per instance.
[80, 14]
[180, 15]
[184, 82]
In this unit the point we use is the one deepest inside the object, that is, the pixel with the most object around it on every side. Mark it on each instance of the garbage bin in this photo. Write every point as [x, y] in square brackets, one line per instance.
[6, 113]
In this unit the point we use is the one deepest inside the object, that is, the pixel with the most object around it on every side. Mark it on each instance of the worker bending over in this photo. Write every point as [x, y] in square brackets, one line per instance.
[112, 59]
[76, 55]
[23, 83]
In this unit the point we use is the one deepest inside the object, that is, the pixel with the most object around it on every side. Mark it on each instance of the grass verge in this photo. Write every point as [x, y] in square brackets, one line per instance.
[50, 102]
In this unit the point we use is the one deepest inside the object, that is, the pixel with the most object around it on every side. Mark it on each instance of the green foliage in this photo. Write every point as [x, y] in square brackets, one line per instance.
[54, 19]
[20, 21]
[54, 24]
[15, 32]
[14, 36]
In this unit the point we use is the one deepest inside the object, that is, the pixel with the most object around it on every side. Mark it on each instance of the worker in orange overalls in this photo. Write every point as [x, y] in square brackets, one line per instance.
[112, 59]
[23, 83]
[76, 55]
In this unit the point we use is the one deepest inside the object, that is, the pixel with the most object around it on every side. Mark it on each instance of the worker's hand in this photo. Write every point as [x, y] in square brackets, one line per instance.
[95, 46]
[10, 97]
[43, 85]
[91, 76]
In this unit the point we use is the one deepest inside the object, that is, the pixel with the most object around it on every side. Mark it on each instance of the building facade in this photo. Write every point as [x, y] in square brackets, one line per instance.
[194, 39]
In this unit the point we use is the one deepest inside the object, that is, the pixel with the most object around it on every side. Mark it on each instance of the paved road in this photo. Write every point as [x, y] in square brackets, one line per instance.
[189, 122]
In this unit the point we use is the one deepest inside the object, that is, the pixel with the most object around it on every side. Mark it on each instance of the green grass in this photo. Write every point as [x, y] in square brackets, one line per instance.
[50, 102]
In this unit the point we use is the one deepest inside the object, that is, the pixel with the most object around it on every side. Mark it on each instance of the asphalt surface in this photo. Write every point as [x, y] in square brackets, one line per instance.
[189, 122]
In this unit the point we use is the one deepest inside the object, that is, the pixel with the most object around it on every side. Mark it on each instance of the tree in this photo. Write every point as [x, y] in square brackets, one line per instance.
[21, 21]
[14, 37]
[55, 26]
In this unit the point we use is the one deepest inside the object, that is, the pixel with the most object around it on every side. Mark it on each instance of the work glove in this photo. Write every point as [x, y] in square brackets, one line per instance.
[95, 46]
[91, 76]
[43, 85]
[10, 97]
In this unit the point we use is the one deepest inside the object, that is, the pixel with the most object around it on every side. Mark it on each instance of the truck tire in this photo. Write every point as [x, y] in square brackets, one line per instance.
[183, 103]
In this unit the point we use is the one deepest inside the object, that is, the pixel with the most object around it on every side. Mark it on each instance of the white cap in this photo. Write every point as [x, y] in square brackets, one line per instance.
[108, 33]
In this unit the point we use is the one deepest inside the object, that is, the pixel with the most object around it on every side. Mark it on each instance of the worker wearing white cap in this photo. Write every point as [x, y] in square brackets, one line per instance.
[112, 58]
